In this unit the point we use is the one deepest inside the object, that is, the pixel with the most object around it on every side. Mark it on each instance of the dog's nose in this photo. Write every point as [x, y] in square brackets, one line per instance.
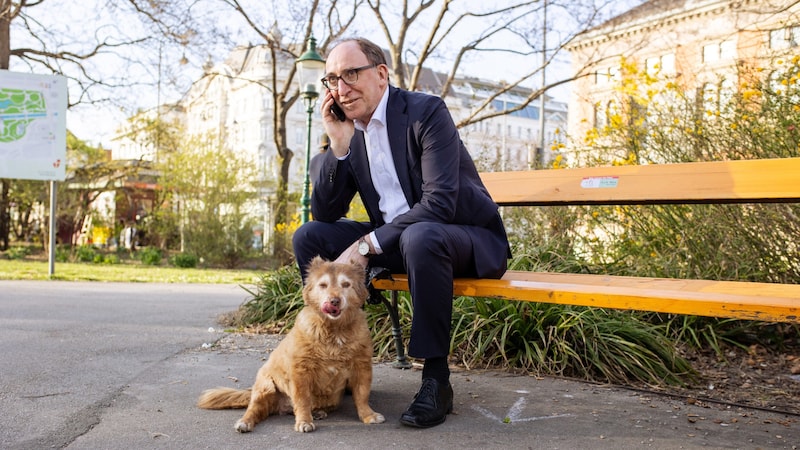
[335, 301]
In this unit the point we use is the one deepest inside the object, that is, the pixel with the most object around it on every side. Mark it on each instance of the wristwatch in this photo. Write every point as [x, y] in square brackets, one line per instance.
[363, 247]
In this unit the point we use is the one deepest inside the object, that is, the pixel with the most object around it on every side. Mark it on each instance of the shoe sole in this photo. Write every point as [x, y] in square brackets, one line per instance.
[427, 425]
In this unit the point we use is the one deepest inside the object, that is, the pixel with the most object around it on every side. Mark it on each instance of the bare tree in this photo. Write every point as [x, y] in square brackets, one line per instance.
[461, 35]
[31, 38]
[29, 43]
[335, 17]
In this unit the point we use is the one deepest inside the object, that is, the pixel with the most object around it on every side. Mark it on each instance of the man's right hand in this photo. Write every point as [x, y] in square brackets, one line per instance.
[339, 132]
[350, 255]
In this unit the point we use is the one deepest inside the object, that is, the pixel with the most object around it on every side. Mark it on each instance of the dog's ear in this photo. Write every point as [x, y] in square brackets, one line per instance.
[361, 269]
[314, 264]
[313, 267]
[356, 271]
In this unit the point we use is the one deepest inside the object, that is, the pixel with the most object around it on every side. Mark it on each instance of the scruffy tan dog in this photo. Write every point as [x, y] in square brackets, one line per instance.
[328, 349]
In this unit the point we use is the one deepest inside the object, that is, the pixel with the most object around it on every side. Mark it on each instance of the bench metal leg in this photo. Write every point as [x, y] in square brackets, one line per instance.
[401, 362]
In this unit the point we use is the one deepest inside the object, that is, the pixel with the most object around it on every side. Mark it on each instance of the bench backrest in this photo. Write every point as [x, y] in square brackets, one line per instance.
[746, 181]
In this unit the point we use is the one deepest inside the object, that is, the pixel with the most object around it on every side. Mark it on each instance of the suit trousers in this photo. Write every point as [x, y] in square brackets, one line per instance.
[432, 254]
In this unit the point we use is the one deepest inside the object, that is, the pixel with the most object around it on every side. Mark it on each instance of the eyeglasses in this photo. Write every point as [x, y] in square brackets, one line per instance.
[349, 76]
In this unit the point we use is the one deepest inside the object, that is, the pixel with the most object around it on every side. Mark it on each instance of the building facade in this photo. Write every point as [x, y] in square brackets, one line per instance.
[707, 48]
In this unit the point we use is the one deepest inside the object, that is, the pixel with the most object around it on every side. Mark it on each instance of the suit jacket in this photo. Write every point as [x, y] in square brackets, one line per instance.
[437, 174]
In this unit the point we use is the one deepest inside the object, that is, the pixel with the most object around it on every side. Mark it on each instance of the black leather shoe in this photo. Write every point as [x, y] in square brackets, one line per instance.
[431, 405]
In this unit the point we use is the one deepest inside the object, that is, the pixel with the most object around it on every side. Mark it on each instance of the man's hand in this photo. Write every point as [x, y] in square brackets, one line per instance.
[339, 132]
[350, 255]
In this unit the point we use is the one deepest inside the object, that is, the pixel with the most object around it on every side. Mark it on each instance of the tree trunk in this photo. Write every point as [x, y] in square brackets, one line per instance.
[5, 33]
[5, 55]
[4, 215]
[280, 250]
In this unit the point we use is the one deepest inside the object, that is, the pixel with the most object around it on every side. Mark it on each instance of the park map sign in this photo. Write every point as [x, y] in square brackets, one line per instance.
[33, 127]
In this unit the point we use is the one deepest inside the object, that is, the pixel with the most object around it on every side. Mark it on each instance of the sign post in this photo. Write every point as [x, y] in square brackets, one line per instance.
[33, 133]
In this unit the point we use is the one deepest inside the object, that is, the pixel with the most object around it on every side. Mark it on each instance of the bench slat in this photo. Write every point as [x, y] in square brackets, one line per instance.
[762, 180]
[761, 301]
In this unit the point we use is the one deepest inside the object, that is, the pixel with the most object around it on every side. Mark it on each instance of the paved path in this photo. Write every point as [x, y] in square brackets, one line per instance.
[120, 365]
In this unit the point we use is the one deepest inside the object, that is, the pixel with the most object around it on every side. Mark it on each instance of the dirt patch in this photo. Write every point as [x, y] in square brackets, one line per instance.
[755, 377]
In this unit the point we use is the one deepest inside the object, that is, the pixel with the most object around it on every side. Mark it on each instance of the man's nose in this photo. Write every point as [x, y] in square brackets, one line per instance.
[343, 87]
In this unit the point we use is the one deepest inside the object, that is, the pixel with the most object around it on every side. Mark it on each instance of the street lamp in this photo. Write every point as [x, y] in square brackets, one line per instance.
[310, 68]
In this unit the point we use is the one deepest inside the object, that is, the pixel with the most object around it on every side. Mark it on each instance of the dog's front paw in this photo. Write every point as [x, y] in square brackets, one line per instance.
[243, 427]
[319, 414]
[374, 418]
[304, 427]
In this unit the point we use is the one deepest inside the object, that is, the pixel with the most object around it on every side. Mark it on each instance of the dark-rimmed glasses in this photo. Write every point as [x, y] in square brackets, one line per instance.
[349, 76]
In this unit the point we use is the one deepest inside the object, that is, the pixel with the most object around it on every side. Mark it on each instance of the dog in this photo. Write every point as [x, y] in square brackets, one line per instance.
[328, 350]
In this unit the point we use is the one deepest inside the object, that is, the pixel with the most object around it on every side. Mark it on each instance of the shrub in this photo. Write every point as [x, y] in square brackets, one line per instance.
[184, 260]
[62, 254]
[150, 256]
[276, 299]
[18, 252]
[111, 259]
[85, 253]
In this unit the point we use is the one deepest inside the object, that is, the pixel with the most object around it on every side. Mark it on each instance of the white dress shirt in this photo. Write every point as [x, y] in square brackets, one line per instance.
[392, 201]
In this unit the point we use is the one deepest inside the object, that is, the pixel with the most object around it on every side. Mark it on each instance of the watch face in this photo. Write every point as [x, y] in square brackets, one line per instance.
[363, 248]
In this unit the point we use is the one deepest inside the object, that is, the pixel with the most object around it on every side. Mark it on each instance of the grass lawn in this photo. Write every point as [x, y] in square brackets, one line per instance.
[19, 269]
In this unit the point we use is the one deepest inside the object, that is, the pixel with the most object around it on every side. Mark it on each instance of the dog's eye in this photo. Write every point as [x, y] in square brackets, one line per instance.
[323, 285]
[345, 284]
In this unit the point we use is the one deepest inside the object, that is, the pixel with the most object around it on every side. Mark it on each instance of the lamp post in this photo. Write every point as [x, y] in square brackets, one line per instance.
[310, 68]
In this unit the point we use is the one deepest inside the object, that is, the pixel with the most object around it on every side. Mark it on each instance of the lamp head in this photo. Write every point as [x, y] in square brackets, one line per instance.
[310, 69]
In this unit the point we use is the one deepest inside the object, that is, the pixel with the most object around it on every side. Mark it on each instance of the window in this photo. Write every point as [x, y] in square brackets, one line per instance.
[727, 50]
[710, 53]
[606, 76]
[727, 89]
[599, 116]
[528, 112]
[600, 77]
[668, 64]
[661, 65]
[784, 38]
[603, 113]
[652, 66]
[719, 51]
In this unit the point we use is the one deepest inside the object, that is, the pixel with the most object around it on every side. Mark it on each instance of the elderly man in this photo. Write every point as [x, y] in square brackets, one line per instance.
[429, 214]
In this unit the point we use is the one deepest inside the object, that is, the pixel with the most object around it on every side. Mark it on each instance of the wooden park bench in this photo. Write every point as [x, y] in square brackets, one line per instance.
[749, 181]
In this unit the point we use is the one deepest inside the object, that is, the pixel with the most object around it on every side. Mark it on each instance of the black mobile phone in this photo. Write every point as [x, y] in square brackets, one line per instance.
[337, 111]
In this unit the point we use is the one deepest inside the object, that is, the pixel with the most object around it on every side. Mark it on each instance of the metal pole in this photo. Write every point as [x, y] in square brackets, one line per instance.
[52, 251]
[541, 99]
[306, 200]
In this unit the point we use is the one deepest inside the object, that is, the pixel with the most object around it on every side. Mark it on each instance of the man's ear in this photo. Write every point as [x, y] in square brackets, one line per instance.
[383, 72]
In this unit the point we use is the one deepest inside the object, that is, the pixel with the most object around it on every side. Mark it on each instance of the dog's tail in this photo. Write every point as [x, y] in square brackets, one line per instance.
[224, 398]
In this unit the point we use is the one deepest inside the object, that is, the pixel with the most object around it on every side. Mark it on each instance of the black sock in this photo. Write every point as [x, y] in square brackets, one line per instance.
[437, 369]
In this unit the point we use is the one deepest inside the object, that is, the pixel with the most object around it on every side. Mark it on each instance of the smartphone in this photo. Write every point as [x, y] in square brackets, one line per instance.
[337, 111]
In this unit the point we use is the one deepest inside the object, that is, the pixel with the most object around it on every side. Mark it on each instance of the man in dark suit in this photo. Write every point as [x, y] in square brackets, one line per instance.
[430, 215]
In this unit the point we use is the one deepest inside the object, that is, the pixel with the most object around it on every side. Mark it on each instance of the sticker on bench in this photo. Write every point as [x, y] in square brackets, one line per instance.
[599, 182]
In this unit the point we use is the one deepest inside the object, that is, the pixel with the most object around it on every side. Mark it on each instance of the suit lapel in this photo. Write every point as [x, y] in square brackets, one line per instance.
[396, 127]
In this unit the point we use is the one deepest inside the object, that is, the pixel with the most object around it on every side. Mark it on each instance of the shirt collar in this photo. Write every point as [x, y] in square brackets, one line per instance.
[380, 112]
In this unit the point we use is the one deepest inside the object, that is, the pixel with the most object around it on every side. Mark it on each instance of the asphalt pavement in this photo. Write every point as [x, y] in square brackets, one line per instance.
[87, 365]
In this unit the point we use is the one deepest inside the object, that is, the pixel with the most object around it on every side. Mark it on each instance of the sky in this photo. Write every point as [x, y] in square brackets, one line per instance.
[96, 123]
